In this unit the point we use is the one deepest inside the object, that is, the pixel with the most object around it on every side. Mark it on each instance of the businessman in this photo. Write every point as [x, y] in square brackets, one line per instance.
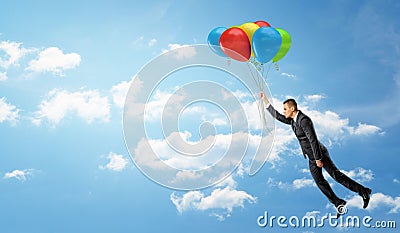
[318, 155]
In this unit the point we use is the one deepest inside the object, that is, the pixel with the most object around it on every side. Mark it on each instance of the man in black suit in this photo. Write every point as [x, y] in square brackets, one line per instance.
[318, 155]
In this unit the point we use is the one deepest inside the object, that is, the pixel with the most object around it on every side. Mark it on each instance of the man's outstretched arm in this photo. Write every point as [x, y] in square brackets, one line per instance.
[272, 110]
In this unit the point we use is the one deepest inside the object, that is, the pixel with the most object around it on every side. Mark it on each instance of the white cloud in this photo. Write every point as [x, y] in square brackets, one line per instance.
[377, 200]
[365, 129]
[241, 95]
[220, 201]
[227, 182]
[314, 98]
[187, 201]
[295, 184]
[284, 143]
[224, 199]
[120, 90]
[3, 76]
[220, 217]
[303, 182]
[129, 93]
[397, 181]
[314, 213]
[212, 149]
[195, 110]
[157, 106]
[138, 41]
[55, 61]
[182, 176]
[206, 115]
[220, 152]
[360, 174]
[20, 175]
[304, 170]
[88, 105]
[219, 122]
[152, 42]
[13, 52]
[116, 162]
[8, 112]
[172, 47]
[289, 75]
[253, 110]
[185, 51]
[329, 125]
[253, 115]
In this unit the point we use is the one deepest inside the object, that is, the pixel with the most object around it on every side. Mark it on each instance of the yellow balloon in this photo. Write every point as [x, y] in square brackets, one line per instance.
[250, 28]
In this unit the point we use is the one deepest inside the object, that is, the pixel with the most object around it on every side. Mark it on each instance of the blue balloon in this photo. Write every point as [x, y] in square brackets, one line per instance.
[213, 40]
[266, 43]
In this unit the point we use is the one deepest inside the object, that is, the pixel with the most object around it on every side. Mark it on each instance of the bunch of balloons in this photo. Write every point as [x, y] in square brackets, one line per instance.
[256, 40]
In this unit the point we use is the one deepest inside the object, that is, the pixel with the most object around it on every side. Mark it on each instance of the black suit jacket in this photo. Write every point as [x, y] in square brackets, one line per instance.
[304, 130]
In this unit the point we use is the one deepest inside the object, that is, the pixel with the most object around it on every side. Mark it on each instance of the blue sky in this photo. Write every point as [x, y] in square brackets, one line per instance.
[65, 69]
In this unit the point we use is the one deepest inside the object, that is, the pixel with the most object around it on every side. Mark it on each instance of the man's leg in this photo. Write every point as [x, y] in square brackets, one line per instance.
[337, 175]
[342, 179]
[323, 185]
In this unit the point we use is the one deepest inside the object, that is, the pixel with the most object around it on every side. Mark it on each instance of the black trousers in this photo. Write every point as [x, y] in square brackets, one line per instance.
[335, 173]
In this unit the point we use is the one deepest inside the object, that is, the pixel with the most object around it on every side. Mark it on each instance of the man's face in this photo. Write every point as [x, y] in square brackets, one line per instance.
[287, 111]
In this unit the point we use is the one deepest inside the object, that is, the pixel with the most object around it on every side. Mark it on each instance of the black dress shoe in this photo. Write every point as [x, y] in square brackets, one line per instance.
[366, 196]
[341, 202]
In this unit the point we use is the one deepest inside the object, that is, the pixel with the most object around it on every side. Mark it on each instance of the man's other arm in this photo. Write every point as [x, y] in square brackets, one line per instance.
[308, 128]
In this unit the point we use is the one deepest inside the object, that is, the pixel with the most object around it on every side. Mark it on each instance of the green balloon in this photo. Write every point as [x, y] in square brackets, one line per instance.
[285, 46]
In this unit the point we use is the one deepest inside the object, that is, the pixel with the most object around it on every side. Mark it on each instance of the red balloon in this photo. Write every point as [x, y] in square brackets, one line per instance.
[235, 44]
[261, 23]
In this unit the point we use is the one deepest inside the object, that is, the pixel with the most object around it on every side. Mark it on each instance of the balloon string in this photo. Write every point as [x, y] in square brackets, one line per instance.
[269, 68]
[276, 66]
[260, 68]
[254, 79]
[264, 85]
[259, 80]
[260, 85]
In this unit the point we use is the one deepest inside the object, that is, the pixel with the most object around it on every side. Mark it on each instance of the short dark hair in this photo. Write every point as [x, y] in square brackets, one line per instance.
[291, 103]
